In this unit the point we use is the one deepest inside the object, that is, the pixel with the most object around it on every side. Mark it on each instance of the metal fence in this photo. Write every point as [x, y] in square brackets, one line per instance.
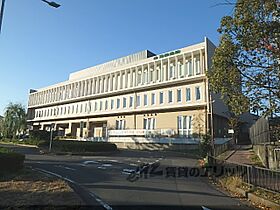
[221, 148]
[254, 176]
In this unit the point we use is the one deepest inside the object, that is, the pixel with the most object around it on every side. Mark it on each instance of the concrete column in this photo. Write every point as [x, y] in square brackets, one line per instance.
[176, 68]
[201, 62]
[90, 87]
[192, 60]
[162, 71]
[100, 84]
[97, 87]
[185, 66]
[93, 85]
[126, 82]
[148, 74]
[168, 68]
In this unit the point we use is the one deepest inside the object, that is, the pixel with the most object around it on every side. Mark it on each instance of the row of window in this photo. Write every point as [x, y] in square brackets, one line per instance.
[118, 103]
[119, 80]
[184, 124]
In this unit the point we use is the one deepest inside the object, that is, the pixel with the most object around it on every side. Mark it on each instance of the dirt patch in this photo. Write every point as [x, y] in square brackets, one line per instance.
[29, 188]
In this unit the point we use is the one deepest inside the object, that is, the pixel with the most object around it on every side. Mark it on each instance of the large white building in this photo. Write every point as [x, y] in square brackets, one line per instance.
[139, 95]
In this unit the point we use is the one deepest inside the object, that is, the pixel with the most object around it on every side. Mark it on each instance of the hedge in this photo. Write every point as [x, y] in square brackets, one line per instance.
[82, 146]
[11, 161]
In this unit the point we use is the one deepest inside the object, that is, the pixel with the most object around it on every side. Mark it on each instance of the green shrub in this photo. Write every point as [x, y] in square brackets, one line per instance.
[4, 150]
[11, 162]
[39, 135]
[82, 146]
[205, 145]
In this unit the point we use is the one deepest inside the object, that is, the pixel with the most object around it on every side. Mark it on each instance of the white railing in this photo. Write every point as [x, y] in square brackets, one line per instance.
[142, 132]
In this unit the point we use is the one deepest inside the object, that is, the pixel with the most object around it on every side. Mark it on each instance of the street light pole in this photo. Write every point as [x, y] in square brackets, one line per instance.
[2, 13]
[51, 137]
[52, 4]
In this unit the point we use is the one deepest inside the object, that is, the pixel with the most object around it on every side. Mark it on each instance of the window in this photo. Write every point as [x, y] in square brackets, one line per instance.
[146, 76]
[188, 94]
[161, 97]
[171, 71]
[149, 123]
[179, 95]
[145, 100]
[120, 124]
[151, 75]
[77, 107]
[89, 107]
[197, 66]
[106, 105]
[95, 106]
[100, 105]
[189, 68]
[130, 101]
[181, 69]
[197, 93]
[124, 102]
[85, 108]
[112, 104]
[184, 125]
[139, 77]
[138, 101]
[158, 73]
[170, 96]
[118, 103]
[153, 98]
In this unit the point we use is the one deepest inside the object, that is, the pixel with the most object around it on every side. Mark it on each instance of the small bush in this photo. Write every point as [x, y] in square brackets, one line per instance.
[205, 145]
[39, 135]
[11, 162]
[81, 146]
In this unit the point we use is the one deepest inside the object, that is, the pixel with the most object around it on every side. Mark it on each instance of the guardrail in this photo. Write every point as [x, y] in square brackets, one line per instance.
[252, 175]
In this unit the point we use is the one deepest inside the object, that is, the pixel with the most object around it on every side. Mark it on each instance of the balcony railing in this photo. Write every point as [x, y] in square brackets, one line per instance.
[145, 133]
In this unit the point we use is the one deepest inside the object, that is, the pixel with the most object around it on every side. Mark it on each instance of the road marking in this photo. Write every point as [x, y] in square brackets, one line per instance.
[106, 165]
[105, 205]
[114, 161]
[90, 162]
[68, 168]
[133, 164]
[100, 167]
[205, 208]
[128, 171]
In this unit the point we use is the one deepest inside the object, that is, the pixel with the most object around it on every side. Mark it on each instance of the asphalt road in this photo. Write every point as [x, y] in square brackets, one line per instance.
[134, 180]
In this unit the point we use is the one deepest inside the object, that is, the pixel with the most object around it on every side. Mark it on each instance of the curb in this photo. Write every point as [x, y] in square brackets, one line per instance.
[254, 198]
[86, 196]
[24, 145]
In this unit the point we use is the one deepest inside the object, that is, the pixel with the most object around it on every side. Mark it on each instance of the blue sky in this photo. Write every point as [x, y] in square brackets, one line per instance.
[40, 46]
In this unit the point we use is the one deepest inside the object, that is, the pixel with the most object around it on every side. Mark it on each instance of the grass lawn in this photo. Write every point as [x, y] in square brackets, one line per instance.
[29, 188]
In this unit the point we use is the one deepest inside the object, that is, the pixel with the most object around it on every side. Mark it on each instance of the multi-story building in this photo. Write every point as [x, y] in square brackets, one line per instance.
[137, 95]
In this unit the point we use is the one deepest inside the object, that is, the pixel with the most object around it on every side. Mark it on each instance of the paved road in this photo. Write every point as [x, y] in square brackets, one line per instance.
[111, 181]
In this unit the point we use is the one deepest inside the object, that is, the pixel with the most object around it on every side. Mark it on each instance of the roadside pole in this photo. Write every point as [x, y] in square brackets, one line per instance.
[51, 137]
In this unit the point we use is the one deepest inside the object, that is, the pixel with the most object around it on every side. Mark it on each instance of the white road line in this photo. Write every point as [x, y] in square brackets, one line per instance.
[106, 165]
[65, 167]
[205, 208]
[105, 205]
[90, 162]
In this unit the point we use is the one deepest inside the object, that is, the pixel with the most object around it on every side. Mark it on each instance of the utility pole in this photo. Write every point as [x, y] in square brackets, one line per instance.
[51, 4]
[51, 137]
[2, 13]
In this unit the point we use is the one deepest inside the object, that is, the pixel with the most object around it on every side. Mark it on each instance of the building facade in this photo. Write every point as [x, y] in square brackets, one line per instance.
[142, 94]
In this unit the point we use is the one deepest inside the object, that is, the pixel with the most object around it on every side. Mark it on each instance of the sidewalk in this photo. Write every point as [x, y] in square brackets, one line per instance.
[241, 154]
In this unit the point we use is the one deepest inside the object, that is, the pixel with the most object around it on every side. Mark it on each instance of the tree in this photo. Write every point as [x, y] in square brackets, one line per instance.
[246, 64]
[14, 121]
